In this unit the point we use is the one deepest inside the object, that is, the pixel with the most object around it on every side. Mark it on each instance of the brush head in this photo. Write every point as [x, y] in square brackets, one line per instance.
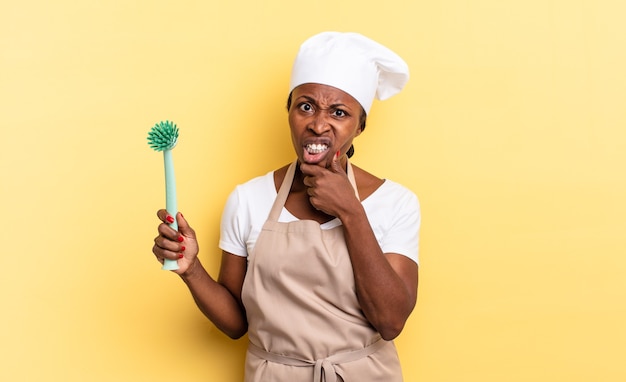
[163, 136]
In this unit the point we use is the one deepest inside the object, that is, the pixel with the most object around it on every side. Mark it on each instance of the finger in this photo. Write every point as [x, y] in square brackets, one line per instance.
[159, 259]
[330, 159]
[165, 217]
[161, 253]
[335, 165]
[165, 244]
[168, 232]
[156, 250]
[167, 248]
[184, 228]
[311, 169]
[308, 181]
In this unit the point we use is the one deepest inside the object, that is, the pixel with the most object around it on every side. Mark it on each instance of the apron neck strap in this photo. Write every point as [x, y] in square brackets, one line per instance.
[285, 187]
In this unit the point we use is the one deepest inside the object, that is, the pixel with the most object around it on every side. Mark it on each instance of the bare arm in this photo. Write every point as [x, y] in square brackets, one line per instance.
[220, 300]
[386, 284]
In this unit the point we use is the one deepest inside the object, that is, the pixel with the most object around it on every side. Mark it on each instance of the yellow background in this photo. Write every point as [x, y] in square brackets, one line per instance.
[511, 132]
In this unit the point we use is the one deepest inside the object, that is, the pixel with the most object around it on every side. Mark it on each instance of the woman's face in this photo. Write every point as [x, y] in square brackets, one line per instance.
[323, 120]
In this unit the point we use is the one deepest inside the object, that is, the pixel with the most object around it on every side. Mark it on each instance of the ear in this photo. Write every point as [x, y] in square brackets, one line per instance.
[359, 130]
[361, 123]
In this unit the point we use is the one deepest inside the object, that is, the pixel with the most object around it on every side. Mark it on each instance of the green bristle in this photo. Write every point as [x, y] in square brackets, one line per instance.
[163, 136]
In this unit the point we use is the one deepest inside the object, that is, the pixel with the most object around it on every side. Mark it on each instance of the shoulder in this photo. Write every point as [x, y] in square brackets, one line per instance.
[394, 214]
[393, 199]
[248, 197]
[258, 190]
[392, 196]
[372, 185]
[262, 183]
[389, 187]
[366, 182]
[406, 202]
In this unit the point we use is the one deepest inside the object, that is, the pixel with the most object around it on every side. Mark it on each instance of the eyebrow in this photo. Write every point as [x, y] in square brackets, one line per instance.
[312, 100]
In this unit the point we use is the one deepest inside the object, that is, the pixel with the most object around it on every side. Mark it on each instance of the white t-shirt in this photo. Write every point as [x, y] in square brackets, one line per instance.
[392, 210]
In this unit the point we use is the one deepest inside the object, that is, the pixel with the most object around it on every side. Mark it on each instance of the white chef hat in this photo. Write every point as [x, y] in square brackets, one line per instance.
[351, 62]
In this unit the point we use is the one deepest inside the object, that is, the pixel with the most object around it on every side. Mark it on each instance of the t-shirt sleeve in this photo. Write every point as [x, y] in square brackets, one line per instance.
[233, 226]
[402, 236]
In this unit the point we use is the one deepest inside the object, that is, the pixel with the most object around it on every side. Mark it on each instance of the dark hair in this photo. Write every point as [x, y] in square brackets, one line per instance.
[362, 120]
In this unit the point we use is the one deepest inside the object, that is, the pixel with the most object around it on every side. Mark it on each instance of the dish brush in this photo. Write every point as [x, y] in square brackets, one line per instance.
[163, 137]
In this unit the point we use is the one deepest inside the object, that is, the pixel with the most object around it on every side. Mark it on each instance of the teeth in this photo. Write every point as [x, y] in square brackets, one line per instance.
[316, 148]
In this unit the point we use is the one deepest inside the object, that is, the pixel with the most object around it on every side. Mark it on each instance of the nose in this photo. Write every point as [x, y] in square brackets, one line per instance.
[319, 125]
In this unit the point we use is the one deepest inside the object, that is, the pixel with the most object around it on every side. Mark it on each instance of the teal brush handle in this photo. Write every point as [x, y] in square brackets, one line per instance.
[170, 201]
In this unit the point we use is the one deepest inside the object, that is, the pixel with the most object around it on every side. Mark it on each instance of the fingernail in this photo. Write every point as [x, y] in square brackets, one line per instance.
[337, 155]
[169, 219]
[180, 256]
[180, 239]
[182, 249]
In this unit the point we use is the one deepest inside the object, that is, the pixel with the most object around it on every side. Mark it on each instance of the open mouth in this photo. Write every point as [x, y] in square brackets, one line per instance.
[315, 152]
[316, 148]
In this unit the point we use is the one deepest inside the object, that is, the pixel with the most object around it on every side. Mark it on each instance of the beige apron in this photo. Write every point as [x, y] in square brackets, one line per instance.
[305, 322]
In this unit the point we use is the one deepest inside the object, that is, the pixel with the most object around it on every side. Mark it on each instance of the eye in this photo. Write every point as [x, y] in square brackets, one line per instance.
[339, 113]
[305, 106]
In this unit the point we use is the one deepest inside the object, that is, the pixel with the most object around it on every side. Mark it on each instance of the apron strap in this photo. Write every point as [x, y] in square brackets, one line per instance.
[285, 187]
[353, 180]
[322, 367]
